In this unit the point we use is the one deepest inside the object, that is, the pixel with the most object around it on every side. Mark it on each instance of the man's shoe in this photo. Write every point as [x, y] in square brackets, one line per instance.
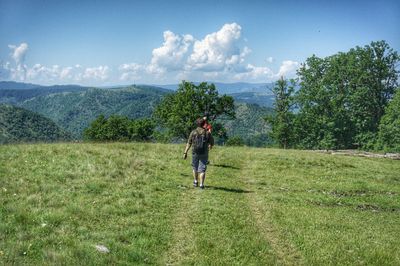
[194, 183]
[202, 186]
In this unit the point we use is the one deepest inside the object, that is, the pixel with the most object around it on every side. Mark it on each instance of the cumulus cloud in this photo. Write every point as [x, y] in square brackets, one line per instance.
[96, 73]
[172, 54]
[218, 50]
[270, 59]
[18, 54]
[56, 73]
[255, 73]
[131, 71]
[43, 73]
[288, 68]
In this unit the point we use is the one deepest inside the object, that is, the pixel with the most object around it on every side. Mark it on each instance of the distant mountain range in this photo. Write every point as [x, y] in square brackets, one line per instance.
[253, 93]
[73, 107]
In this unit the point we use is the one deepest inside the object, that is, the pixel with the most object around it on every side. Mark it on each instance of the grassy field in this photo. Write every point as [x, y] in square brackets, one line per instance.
[260, 207]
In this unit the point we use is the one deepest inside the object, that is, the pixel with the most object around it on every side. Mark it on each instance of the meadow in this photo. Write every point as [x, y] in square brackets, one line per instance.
[260, 207]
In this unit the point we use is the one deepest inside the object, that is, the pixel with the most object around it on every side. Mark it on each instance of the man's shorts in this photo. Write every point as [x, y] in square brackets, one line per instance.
[199, 163]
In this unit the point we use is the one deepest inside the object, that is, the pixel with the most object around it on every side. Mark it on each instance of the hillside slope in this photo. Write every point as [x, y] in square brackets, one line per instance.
[260, 207]
[20, 125]
[75, 110]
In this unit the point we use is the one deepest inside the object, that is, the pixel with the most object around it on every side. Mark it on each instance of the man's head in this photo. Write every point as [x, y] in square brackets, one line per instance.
[200, 122]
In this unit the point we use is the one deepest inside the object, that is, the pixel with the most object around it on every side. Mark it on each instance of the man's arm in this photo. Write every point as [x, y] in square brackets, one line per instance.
[210, 141]
[188, 145]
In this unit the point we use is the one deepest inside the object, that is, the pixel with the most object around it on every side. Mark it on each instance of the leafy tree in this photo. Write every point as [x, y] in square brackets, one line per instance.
[177, 112]
[389, 128]
[342, 97]
[141, 129]
[119, 128]
[96, 129]
[116, 128]
[282, 120]
[235, 141]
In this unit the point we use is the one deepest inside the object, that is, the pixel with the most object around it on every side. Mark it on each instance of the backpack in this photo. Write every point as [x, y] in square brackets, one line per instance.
[200, 142]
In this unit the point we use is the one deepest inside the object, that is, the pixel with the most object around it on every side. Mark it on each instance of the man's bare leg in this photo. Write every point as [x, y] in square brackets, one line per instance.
[202, 178]
[196, 178]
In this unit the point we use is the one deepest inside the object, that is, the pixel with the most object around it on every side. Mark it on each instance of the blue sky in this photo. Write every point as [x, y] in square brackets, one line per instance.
[160, 42]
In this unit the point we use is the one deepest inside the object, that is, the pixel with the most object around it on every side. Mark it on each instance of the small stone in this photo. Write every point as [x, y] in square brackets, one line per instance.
[102, 249]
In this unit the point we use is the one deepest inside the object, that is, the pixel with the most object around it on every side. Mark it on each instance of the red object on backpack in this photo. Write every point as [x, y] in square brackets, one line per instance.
[207, 126]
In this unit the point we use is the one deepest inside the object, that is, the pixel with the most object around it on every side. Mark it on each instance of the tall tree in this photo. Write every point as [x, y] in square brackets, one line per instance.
[342, 97]
[177, 112]
[282, 120]
[389, 127]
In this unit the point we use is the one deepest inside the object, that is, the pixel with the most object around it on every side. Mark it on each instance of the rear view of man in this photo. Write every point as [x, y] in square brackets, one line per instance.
[201, 142]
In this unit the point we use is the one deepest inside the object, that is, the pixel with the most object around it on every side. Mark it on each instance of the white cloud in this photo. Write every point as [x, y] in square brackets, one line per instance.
[96, 73]
[218, 50]
[172, 54]
[288, 69]
[56, 73]
[218, 56]
[66, 73]
[255, 73]
[131, 71]
[18, 52]
[42, 73]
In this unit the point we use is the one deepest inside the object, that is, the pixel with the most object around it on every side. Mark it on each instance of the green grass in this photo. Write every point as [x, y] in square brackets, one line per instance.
[260, 207]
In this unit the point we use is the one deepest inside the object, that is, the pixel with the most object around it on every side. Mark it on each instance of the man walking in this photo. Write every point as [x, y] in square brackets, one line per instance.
[201, 142]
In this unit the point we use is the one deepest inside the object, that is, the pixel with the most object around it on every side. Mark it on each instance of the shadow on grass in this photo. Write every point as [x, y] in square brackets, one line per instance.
[234, 190]
[226, 166]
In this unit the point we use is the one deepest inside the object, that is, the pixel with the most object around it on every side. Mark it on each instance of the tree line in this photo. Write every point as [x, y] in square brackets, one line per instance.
[347, 100]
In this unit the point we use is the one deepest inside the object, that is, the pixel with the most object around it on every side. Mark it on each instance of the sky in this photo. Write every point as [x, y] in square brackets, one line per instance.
[103, 43]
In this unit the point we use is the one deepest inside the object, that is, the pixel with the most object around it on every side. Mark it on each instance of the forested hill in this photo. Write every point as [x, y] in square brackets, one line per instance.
[75, 110]
[20, 125]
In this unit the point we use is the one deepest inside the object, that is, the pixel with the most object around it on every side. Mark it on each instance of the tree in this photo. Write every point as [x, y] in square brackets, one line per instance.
[389, 127]
[282, 120]
[343, 97]
[235, 141]
[116, 128]
[178, 112]
[119, 128]
[95, 131]
[141, 129]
